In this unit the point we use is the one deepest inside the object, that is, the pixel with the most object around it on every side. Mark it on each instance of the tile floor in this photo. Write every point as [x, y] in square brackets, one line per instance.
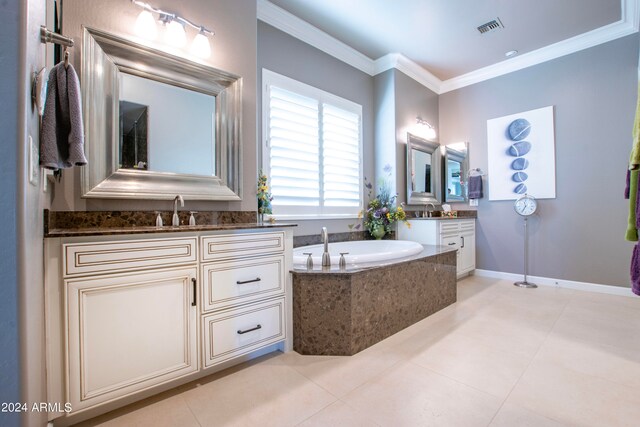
[500, 356]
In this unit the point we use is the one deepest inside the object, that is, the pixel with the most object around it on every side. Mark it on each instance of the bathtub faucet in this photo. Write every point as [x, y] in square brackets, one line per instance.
[326, 258]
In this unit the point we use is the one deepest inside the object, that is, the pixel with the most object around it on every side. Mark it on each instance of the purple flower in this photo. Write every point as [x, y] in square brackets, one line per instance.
[369, 185]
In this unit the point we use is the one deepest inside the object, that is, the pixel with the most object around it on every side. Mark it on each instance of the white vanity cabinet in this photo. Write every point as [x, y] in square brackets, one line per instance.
[128, 316]
[244, 281]
[459, 234]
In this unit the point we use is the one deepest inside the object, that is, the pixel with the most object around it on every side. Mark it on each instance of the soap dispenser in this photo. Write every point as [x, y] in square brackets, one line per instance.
[158, 219]
[192, 219]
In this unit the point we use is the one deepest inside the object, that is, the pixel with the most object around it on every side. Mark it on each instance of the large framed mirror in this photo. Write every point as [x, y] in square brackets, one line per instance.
[157, 125]
[423, 171]
[455, 172]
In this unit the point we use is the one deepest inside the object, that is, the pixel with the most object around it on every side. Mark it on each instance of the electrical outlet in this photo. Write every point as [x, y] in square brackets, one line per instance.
[34, 167]
[473, 202]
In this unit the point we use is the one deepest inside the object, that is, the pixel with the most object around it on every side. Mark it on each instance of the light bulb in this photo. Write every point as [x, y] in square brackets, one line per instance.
[430, 132]
[175, 34]
[200, 45]
[146, 25]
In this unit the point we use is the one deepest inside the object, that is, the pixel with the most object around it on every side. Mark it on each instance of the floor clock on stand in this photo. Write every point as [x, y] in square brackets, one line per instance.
[525, 206]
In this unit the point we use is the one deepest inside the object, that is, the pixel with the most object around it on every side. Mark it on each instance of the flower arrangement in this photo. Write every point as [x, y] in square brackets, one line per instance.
[381, 212]
[264, 197]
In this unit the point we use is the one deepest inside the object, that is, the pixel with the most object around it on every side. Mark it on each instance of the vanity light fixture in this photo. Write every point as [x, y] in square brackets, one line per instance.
[175, 34]
[430, 132]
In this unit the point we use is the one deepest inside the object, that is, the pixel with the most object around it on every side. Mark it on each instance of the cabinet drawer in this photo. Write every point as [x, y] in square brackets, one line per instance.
[235, 332]
[88, 258]
[451, 241]
[226, 246]
[240, 281]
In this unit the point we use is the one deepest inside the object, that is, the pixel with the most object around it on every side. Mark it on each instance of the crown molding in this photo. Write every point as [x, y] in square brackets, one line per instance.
[408, 67]
[302, 30]
[624, 27]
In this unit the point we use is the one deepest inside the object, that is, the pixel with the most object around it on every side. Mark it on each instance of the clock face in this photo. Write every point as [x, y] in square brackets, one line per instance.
[525, 205]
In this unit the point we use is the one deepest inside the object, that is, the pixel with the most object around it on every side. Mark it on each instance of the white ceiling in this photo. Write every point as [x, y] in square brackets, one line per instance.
[441, 36]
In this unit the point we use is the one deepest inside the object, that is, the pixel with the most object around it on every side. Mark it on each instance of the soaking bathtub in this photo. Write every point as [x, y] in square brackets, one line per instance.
[361, 253]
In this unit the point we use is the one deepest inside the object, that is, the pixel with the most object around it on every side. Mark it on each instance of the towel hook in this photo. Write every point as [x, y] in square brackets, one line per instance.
[66, 58]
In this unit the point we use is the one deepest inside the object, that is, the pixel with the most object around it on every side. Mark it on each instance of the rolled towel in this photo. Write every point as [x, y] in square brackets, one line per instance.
[62, 133]
[475, 187]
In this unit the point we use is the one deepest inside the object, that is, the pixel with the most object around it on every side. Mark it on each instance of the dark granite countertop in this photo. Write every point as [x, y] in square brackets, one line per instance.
[427, 252]
[442, 218]
[108, 231]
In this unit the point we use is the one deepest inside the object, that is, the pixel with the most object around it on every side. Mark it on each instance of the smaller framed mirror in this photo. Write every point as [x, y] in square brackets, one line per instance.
[455, 173]
[423, 171]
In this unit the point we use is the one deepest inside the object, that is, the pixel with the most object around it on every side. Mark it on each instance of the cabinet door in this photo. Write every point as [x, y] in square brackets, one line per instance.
[467, 258]
[129, 332]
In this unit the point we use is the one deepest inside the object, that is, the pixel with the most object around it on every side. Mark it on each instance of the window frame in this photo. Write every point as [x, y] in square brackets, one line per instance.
[270, 78]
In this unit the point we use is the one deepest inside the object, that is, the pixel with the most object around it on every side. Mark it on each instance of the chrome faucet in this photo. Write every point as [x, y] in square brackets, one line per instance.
[326, 258]
[176, 219]
[427, 212]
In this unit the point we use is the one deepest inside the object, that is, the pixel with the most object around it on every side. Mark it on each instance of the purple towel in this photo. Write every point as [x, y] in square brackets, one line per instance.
[62, 134]
[635, 270]
[626, 188]
[475, 187]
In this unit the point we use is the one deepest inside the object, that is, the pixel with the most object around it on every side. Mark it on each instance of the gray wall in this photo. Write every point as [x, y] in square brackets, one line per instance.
[412, 100]
[579, 235]
[233, 49]
[290, 57]
[10, 32]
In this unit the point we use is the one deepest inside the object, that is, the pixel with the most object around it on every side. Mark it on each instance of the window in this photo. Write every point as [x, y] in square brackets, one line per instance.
[312, 150]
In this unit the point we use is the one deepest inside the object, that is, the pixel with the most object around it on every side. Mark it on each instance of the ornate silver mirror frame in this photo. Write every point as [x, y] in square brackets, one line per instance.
[104, 57]
[432, 149]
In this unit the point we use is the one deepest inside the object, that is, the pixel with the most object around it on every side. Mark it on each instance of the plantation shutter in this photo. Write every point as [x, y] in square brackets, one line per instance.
[294, 149]
[340, 157]
[312, 152]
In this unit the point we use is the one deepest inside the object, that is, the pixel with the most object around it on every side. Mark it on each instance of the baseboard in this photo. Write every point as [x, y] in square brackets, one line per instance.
[559, 283]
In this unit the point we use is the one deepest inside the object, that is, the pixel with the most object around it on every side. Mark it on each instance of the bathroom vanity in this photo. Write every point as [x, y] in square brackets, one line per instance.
[129, 315]
[456, 233]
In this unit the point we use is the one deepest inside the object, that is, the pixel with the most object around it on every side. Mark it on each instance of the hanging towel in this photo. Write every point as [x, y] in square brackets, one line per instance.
[62, 134]
[632, 230]
[475, 187]
[635, 270]
[626, 187]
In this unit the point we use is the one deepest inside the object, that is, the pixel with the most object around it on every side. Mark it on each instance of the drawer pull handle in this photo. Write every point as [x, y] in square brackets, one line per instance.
[451, 244]
[244, 282]
[240, 331]
[195, 292]
[462, 237]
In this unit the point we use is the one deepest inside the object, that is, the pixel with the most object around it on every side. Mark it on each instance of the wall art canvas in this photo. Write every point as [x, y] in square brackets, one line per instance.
[521, 155]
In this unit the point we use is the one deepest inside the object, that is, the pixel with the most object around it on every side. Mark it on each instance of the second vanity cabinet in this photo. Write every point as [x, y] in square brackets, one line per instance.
[128, 315]
[459, 234]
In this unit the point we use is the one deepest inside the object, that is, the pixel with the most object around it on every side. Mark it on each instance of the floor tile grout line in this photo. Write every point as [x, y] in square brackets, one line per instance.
[531, 361]
[195, 417]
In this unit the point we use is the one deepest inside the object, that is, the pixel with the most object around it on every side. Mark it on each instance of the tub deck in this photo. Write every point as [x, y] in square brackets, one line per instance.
[342, 312]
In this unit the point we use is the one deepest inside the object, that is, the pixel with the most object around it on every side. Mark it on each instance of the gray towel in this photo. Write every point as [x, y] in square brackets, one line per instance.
[475, 187]
[62, 134]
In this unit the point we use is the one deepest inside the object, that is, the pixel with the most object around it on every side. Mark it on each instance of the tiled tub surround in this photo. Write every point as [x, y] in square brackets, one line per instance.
[341, 312]
[100, 223]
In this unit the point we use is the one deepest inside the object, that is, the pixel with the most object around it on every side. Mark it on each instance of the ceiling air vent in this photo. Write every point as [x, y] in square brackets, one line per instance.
[490, 26]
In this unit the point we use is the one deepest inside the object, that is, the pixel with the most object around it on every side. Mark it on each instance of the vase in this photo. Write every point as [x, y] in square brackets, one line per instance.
[378, 232]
